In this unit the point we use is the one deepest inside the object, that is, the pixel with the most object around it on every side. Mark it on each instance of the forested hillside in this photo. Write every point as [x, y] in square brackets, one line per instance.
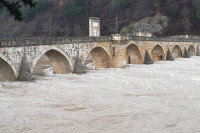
[61, 18]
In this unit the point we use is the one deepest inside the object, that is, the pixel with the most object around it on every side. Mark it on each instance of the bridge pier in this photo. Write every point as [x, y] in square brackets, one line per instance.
[147, 58]
[169, 56]
[185, 54]
[25, 72]
[198, 50]
[118, 59]
[78, 66]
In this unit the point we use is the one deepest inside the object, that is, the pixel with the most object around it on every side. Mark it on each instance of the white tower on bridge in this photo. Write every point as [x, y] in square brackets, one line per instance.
[94, 26]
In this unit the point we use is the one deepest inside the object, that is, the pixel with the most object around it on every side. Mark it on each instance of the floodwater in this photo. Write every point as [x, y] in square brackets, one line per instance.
[159, 98]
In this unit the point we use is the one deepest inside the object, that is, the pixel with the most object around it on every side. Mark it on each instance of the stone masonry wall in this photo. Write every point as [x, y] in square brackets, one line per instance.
[12, 51]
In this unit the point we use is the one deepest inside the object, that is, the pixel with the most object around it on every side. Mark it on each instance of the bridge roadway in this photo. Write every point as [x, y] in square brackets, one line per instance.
[105, 51]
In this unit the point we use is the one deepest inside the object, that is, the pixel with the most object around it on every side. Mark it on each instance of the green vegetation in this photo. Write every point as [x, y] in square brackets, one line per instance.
[76, 8]
[29, 13]
[198, 12]
[116, 5]
[4, 12]
[159, 2]
[70, 17]
[14, 6]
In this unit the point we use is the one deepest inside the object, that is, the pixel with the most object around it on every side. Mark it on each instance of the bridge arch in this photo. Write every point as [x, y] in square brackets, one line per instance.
[157, 53]
[176, 52]
[133, 54]
[7, 69]
[101, 57]
[59, 60]
[191, 51]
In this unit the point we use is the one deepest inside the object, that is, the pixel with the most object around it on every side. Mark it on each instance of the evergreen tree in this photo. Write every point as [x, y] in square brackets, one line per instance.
[198, 12]
[159, 2]
[116, 5]
[13, 7]
[76, 8]
[29, 13]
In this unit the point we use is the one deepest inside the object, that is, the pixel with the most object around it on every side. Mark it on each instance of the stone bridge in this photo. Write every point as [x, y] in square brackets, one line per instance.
[105, 52]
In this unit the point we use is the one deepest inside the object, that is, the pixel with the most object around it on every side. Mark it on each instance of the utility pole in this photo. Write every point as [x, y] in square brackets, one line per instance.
[117, 24]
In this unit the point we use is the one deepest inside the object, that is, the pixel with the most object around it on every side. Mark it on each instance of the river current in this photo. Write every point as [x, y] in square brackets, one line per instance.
[159, 98]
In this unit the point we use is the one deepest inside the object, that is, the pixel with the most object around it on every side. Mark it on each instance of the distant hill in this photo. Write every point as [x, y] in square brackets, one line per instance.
[61, 18]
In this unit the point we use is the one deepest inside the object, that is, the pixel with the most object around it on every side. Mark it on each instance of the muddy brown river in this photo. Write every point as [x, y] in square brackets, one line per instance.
[159, 98]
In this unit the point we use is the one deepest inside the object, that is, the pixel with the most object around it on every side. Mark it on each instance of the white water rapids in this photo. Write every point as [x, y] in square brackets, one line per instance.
[159, 98]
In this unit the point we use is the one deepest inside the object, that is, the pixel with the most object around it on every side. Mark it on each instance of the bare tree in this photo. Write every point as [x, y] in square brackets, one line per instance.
[185, 17]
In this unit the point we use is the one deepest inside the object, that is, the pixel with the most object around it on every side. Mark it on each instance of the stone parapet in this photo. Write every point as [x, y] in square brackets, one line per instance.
[70, 40]
[50, 41]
